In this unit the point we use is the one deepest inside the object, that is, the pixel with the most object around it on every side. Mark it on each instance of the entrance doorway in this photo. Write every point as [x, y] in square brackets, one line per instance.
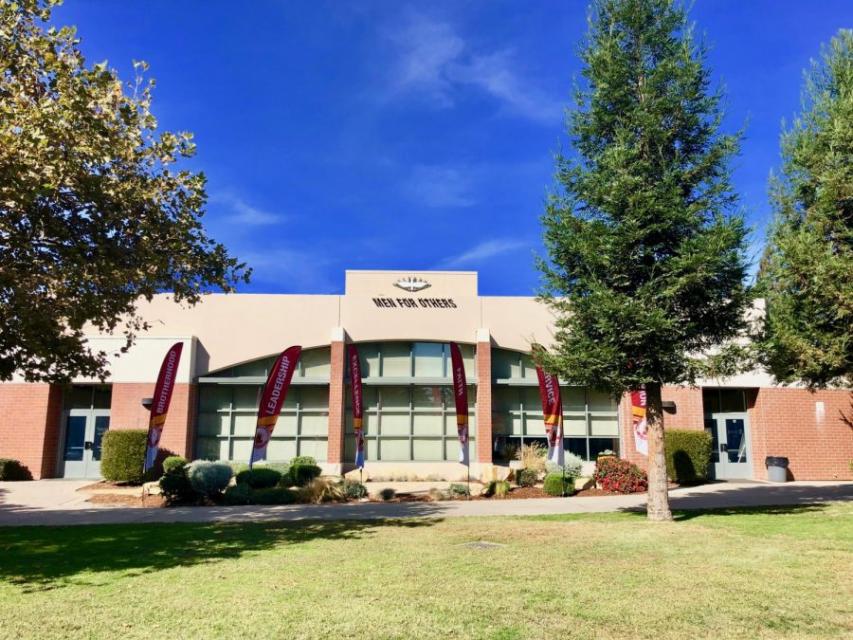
[84, 422]
[727, 422]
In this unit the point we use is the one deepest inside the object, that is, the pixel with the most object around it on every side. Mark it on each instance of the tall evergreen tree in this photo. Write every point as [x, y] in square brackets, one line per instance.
[646, 256]
[806, 273]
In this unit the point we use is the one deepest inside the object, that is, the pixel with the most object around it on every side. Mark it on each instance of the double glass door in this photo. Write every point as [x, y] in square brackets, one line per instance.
[81, 453]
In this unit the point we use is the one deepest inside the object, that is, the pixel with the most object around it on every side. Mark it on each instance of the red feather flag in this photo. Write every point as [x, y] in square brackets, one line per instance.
[460, 395]
[278, 382]
[162, 397]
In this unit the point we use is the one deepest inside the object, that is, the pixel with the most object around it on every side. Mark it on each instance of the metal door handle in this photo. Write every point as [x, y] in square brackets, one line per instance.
[723, 447]
[87, 445]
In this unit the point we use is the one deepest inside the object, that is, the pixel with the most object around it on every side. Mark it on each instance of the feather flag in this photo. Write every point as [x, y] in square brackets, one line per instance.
[272, 399]
[162, 397]
[638, 421]
[552, 408]
[460, 395]
[357, 405]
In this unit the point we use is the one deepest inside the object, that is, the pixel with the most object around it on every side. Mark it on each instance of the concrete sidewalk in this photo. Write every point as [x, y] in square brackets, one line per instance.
[57, 502]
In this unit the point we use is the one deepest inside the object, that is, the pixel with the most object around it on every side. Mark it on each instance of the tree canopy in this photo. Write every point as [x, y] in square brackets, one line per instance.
[94, 211]
[806, 273]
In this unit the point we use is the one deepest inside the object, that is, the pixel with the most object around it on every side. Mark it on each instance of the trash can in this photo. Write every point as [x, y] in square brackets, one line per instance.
[777, 468]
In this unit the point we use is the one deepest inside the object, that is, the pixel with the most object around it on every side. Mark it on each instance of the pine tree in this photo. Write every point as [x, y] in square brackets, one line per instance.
[646, 255]
[806, 274]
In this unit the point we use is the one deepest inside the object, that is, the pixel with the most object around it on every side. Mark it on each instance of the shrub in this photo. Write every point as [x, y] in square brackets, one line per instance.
[387, 493]
[533, 456]
[526, 477]
[621, 476]
[437, 495]
[688, 455]
[237, 494]
[496, 488]
[301, 474]
[174, 462]
[306, 460]
[322, 490]
[259, 477]
[354, 490]
[208, 478]
[572, 466]
[556, 484]
[272, 495]
[459, 490]
[175, 487]
[123, 455]
[12, 470]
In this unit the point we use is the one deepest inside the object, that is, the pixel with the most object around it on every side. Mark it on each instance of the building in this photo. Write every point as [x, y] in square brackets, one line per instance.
[402, 322]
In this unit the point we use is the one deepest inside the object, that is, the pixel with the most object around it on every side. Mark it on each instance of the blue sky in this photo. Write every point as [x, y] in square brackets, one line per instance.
[390, 135]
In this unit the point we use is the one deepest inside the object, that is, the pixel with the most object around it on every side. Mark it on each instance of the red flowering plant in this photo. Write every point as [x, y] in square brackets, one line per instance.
[620, 476]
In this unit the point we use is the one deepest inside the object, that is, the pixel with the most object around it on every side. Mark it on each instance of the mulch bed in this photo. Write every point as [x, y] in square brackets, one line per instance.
[120, 500]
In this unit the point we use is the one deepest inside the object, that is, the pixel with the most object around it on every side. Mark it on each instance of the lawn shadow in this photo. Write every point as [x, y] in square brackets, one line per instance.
[683, 515]
[43, 558]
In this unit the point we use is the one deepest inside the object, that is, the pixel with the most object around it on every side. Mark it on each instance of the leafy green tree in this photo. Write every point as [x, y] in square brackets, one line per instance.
[806, 273]
[646, 255]
[93, 212]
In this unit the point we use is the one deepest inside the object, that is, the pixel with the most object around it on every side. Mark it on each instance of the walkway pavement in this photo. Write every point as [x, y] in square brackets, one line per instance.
[57, 502]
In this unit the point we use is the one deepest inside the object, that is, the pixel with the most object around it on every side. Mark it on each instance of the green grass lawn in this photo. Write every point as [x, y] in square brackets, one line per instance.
[785, 572]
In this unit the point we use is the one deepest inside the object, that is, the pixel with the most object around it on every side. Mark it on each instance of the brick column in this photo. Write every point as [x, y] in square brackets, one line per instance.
[337, 393]
[484, 396]
[29, 425]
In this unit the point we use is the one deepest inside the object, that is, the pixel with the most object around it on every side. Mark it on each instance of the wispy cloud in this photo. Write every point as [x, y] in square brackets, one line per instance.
[239, 212]
[290, 269]
[439, 186]
[434, 60]
[481, 252]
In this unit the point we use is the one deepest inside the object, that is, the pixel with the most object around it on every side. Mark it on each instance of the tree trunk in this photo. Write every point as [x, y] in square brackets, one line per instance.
[658, 502]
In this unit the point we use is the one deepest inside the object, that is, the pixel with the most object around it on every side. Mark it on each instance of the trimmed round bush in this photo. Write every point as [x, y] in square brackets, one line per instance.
[620, 476]
[123, 455]
[12, 470]
[556, 484]
[174, 462]
[300, 474]
[209, 478]
[688, 455]
[526, 477]
[259, 477]
[388, 493]
[175, 487]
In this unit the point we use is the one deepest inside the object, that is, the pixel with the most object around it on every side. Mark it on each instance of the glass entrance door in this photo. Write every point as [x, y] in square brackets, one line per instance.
[81, 453]
[731, 457]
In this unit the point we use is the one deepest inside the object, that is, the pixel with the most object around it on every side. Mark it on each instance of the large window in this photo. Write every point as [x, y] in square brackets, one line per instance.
[409, 412]
[590, 418]
[228, 408]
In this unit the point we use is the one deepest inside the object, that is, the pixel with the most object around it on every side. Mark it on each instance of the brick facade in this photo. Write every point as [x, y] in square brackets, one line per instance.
[127, 412]
[29, 426]
[790, 422]
[484, 402]
[337, 395]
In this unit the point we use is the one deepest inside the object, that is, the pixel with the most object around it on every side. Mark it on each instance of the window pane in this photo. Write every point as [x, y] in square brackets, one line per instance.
[428, 449]
[80, 397]
[711, 400]
[212, 397]
[430, 397]
[246, 397]
[574, 398]
[208, 449]
[394, 398]
[213, 424]
[102, 397]
[604, 426]
[369, 356]
[597, 445]
[534, 425]
[574, 425]
[531, 399]
[280, 449]
[316, 362]
[431, 424]
[75, 435]
[245, 424]
[259, 367]
[503, 362]
[314, 447]
[396, 360]
[394, 449]
[528, 371]
[286, 425]
[505, 399]
[313, 397]
[429, 359]
[732, 400]
[396, 424]
[601, 401]
[314, 424]
[368, 422]
[577, 446]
